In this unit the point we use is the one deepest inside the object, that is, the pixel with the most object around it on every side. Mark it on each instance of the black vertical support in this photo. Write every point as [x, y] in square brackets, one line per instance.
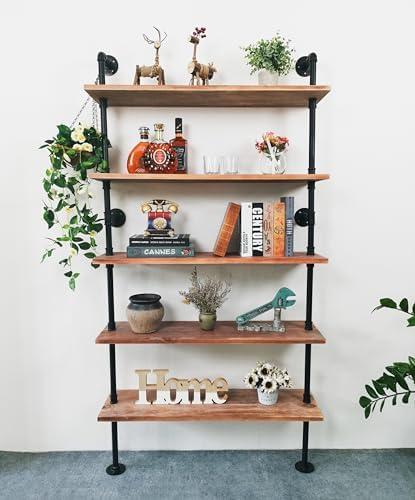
[304, 465]
[115, 468]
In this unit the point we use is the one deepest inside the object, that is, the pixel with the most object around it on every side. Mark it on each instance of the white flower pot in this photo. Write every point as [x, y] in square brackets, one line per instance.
[266, 77]
[266, 398]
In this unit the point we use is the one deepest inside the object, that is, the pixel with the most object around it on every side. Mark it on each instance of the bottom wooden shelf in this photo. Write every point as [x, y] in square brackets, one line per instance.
[242, 405]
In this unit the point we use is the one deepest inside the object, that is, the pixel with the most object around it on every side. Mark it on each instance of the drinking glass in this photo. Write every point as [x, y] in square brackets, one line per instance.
[230, 164]
[211, 164]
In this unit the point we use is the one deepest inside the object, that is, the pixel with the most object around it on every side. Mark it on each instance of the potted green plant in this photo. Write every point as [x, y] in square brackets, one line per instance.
[267, 379]
[67, 210]
[271, 58]
[207, 295]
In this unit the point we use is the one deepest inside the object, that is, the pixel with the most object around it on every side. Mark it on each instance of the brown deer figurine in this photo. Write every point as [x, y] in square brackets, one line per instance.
[202, 73]
[155, 71]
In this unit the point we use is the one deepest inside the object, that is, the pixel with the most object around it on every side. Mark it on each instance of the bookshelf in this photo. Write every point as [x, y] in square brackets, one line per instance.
[294, 405]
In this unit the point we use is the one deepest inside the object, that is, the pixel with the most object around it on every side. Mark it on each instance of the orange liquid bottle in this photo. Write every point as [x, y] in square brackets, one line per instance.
[135, 158]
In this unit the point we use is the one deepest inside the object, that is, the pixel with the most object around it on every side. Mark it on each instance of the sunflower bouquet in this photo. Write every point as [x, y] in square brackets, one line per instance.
[267, 378]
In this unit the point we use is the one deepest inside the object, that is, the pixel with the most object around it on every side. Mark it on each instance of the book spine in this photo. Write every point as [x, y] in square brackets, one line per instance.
[268, 225]
[289, 225]
[246, 229]
[257, 229]
[279, 229]
[154, 252]
[146, 243]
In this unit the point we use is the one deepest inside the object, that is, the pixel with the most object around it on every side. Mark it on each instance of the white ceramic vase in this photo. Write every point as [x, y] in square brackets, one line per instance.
[266, 77]
[276, 165]
[267, 398]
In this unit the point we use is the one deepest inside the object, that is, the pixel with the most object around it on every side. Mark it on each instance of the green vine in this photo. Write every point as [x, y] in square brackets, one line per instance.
[397, 379]
[67, 210]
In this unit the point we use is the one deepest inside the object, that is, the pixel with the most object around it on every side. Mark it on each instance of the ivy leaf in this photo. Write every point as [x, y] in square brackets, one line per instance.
[372, 393]
[411, 361]
[84, 246]
[74, 220]
[49, 217]
[89, 255]
[60, 181]
[364, 401]
[72, 283]
[68, 274]
[64, 131]
[413, 308]
[411, 321]
[95, 266]
[46, 185]
[403, 304]
[388, 303]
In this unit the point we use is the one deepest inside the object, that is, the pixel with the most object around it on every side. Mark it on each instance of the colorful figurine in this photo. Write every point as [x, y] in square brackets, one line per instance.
[159, 217]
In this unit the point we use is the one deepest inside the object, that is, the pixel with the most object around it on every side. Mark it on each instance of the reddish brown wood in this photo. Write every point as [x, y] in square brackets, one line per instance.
[229, 224]
[203, 258]
[208, 96]
[242, 405]
[114, 176]
[225, 332]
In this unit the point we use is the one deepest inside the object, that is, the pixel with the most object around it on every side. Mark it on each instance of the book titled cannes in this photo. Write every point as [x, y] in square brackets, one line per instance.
[160, 251]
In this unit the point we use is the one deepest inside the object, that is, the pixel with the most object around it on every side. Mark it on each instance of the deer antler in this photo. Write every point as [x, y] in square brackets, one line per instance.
[165, 35]
[147, 39]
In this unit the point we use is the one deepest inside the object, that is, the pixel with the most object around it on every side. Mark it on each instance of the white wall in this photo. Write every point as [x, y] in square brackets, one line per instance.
[53, 378]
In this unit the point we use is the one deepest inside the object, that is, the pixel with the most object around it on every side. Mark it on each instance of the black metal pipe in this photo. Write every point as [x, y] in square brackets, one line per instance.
[113, 376]
[304, 454]
[114, 432]
[309, 298]
[307, 373]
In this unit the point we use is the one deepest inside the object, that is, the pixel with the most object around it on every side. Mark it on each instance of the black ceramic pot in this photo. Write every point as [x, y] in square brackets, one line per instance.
[145, 312]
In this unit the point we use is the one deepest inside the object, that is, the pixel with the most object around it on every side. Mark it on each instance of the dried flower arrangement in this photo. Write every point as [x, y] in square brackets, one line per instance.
[206, 294]
[270, 140]
[267, 378]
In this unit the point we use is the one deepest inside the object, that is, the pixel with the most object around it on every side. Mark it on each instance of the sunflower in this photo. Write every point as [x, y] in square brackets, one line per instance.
[269, 385]
[251, 380]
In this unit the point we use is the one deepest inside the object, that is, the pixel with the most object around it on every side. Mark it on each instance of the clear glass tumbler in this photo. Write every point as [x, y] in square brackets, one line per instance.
[211, 164]
[230, 164]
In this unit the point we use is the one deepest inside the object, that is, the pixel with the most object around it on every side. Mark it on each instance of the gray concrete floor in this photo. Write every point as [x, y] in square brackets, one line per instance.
[339, 474]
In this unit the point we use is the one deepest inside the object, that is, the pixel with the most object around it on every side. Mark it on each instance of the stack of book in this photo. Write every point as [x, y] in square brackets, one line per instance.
[266, 229]
[160, 246]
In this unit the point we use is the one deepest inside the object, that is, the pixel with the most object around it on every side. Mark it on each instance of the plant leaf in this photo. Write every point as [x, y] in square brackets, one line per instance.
[403, 304]
[382, 405]
[364, 401]
[388, 303]
[372, 393]
[367, 411]
[72, 283]
[405, 397]
[394, 400]
[379, 388]
[411, 321]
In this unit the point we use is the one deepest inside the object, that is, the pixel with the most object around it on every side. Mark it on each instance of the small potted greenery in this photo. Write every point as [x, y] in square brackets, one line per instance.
[271, 58]
[267, 378]
[207, 295]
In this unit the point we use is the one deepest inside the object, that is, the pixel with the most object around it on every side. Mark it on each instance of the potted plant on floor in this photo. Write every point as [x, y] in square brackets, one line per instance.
[271, 58]
[267, 379]
[207, 295]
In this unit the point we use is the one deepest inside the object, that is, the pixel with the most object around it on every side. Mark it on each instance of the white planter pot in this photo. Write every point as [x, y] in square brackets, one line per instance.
[267, 398]
[266, 77]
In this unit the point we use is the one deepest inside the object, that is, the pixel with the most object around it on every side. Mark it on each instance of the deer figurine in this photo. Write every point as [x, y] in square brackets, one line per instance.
[152, 71]
[202, 73]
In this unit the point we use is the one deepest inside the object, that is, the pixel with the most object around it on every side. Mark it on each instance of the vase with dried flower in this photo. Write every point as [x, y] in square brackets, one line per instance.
[272, 148]
[207, 295]
[267, 379]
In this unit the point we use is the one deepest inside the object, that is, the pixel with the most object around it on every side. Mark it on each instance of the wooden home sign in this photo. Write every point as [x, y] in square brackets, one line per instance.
[184, 391]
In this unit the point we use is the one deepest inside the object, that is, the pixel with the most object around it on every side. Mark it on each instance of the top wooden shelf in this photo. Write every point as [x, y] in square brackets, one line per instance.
[210, 96]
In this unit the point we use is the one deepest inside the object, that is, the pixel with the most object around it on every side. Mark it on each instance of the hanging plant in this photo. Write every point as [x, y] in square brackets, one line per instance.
[72, 153]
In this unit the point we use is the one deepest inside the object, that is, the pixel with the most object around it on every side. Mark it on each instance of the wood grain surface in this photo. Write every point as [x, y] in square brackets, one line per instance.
[249, 178]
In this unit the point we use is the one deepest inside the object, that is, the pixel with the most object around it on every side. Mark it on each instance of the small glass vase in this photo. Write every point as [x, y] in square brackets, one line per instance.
[267, 398]
[207, 321]
[273, 165]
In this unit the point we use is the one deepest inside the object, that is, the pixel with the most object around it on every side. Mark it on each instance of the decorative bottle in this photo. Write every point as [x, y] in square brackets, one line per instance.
[179, 144]
[160, 157]
[135, 158]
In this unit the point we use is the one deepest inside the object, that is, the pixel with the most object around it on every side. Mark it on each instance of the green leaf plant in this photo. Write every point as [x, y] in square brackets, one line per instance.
[67, 210]
[397, 382]
[274, 55]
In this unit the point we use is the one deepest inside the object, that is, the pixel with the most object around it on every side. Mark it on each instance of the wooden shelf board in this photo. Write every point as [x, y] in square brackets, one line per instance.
[208, 96]
[242, 405]
[204, 258]
[225, 332]
[114, 176]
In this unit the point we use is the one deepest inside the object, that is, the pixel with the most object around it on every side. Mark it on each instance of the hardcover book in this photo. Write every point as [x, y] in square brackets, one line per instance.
[141, 240]
[268, 228]
[279, 229]
[246, 229]
[160, 251]
[227, 229]
[289, 225]
[257, 229]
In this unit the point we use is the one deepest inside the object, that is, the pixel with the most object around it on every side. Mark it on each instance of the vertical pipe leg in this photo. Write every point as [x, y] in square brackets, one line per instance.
[304, 465]
[115, 469]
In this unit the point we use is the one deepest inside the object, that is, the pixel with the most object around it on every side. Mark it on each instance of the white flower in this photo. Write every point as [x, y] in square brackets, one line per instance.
[92, 234]
[87, 147]
[73, 252]
[268, 385]
[78, 136]
[251, 380]
[77, 147]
